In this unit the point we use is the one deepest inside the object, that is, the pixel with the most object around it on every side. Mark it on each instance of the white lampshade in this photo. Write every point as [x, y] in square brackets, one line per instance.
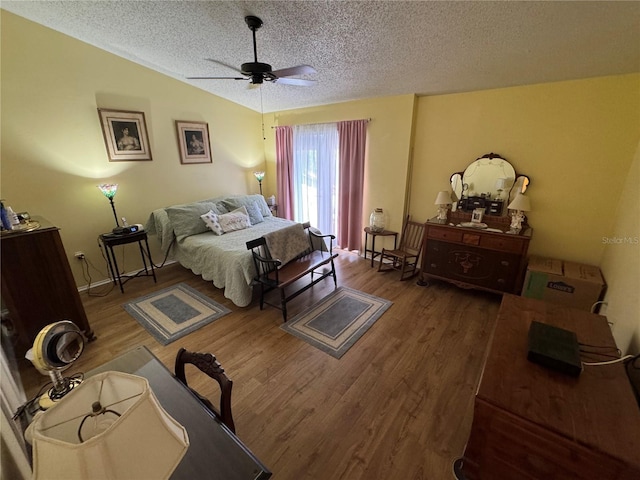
[143, 442]
[443, 198]
[520, 202]
[500, 183]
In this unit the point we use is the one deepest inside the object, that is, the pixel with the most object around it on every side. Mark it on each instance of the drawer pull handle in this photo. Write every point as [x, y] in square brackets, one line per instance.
[501, 281]
[504, 263]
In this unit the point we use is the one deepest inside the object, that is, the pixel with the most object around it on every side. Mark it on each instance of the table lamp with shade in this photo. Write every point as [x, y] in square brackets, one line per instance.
[110, 427]
[259, 176]
[443, 200]
[109, 190]
[518, 206]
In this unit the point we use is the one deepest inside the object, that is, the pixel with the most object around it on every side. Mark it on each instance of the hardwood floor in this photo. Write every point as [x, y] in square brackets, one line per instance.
[397, 405]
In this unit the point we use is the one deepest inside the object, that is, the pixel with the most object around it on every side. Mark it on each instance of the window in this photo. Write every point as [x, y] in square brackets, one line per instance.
[315, 174]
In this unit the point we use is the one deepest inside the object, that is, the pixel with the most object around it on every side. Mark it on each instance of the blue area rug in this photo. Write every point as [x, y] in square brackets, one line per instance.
[174, 312]
[337, 321]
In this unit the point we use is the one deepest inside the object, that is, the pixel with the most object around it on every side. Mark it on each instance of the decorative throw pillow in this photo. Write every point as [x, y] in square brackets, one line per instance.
[238, 219]
[232, 202]
[184, 218]
[212, 221]
[254, 213]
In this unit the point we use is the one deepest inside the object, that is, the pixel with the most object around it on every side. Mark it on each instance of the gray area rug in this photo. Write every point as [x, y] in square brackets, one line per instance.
[337, 321]
[174, 312]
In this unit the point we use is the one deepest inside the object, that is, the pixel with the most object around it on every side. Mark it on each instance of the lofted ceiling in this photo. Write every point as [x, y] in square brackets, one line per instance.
[360, 49]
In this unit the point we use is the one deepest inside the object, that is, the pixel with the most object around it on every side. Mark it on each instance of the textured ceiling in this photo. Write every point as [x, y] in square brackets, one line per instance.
[359, 49]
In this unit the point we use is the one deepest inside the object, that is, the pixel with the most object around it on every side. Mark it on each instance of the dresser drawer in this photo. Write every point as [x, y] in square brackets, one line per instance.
[502, 243]
[448, 234]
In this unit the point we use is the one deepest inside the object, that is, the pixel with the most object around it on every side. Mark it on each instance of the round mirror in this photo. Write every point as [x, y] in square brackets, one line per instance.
[490, 182]
[490, 175]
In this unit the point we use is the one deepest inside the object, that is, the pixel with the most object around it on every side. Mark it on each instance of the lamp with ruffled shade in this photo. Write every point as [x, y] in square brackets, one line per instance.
[109, 190]
[259, 176]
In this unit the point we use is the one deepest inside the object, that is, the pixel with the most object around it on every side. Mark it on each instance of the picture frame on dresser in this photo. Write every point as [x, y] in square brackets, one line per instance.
[193, 142]
[125, 135]
[477, 214]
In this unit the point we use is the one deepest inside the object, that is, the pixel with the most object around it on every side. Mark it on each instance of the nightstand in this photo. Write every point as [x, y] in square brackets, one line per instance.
[110, 240]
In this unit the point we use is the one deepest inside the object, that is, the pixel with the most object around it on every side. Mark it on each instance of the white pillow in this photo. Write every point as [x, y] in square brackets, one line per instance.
[211, 220]
[237, 219]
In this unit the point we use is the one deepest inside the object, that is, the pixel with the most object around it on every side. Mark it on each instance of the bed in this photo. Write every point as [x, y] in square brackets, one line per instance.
[222, 259]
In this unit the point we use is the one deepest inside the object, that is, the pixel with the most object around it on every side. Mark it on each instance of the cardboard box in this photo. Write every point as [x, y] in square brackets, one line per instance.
[567, 283]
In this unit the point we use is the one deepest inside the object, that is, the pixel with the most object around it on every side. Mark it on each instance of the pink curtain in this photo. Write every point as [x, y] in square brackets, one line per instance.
[284, 171]
[353, 138]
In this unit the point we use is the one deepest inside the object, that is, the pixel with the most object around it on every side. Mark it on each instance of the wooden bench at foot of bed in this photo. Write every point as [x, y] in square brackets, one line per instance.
[274, 274]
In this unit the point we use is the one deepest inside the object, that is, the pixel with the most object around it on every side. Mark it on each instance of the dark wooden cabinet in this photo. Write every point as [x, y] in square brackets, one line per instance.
[530, 422]
[37, 284]
[492, 207]
[474, 258]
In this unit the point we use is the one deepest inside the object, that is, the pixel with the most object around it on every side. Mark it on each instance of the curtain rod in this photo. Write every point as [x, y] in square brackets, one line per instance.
[323, 123]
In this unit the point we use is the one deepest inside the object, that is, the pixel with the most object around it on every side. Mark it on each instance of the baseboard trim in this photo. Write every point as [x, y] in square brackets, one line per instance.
[107, 281]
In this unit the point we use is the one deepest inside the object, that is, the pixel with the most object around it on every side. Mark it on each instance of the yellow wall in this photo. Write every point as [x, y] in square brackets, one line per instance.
[388, 147]
[53, 152]
[575, 140]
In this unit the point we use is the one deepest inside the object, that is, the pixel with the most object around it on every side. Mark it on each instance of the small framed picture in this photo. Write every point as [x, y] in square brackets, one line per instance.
[476, 215]
[125, 135]
[193, 140]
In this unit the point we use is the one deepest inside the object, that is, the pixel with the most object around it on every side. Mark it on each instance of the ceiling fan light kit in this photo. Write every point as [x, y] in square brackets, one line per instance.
[258, 72]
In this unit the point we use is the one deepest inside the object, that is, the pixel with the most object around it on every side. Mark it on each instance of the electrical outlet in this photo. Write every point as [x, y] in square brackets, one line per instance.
[79, 255]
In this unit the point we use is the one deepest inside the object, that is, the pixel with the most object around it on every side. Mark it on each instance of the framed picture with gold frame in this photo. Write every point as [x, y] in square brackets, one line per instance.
[125, 135]
[193, 141]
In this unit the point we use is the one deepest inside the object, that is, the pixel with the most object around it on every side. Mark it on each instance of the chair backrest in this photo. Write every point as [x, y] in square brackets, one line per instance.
[412, 235]
[208, 364]
[262, 255]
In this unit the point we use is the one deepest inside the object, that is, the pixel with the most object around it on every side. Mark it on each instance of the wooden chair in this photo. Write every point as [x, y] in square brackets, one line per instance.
[208, 364]
[405, 257]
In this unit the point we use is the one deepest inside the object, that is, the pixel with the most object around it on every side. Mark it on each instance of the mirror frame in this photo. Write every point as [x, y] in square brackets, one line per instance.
[520, 184]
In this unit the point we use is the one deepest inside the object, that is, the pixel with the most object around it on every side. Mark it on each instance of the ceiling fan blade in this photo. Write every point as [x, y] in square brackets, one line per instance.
[299, 70]
[235, 69]
[217, 78]
[296, 81]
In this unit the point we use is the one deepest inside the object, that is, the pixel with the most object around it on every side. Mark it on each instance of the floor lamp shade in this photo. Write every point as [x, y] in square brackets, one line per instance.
[136, 438]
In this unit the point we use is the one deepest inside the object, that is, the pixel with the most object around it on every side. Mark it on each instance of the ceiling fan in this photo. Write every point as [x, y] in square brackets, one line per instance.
[257, 72]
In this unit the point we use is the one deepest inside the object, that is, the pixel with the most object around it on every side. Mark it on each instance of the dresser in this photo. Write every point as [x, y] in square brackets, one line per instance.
[530, 422]
[37, 284]
[489, 259]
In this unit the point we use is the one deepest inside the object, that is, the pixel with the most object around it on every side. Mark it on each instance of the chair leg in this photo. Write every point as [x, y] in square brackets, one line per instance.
[333, 272]
[411, 270]
[261, 296]
[283, 302]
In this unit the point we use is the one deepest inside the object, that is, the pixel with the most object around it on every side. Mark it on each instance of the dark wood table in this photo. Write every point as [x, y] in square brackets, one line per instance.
[384, 233]
[214, 451]
[534, 423]
[110, 240]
